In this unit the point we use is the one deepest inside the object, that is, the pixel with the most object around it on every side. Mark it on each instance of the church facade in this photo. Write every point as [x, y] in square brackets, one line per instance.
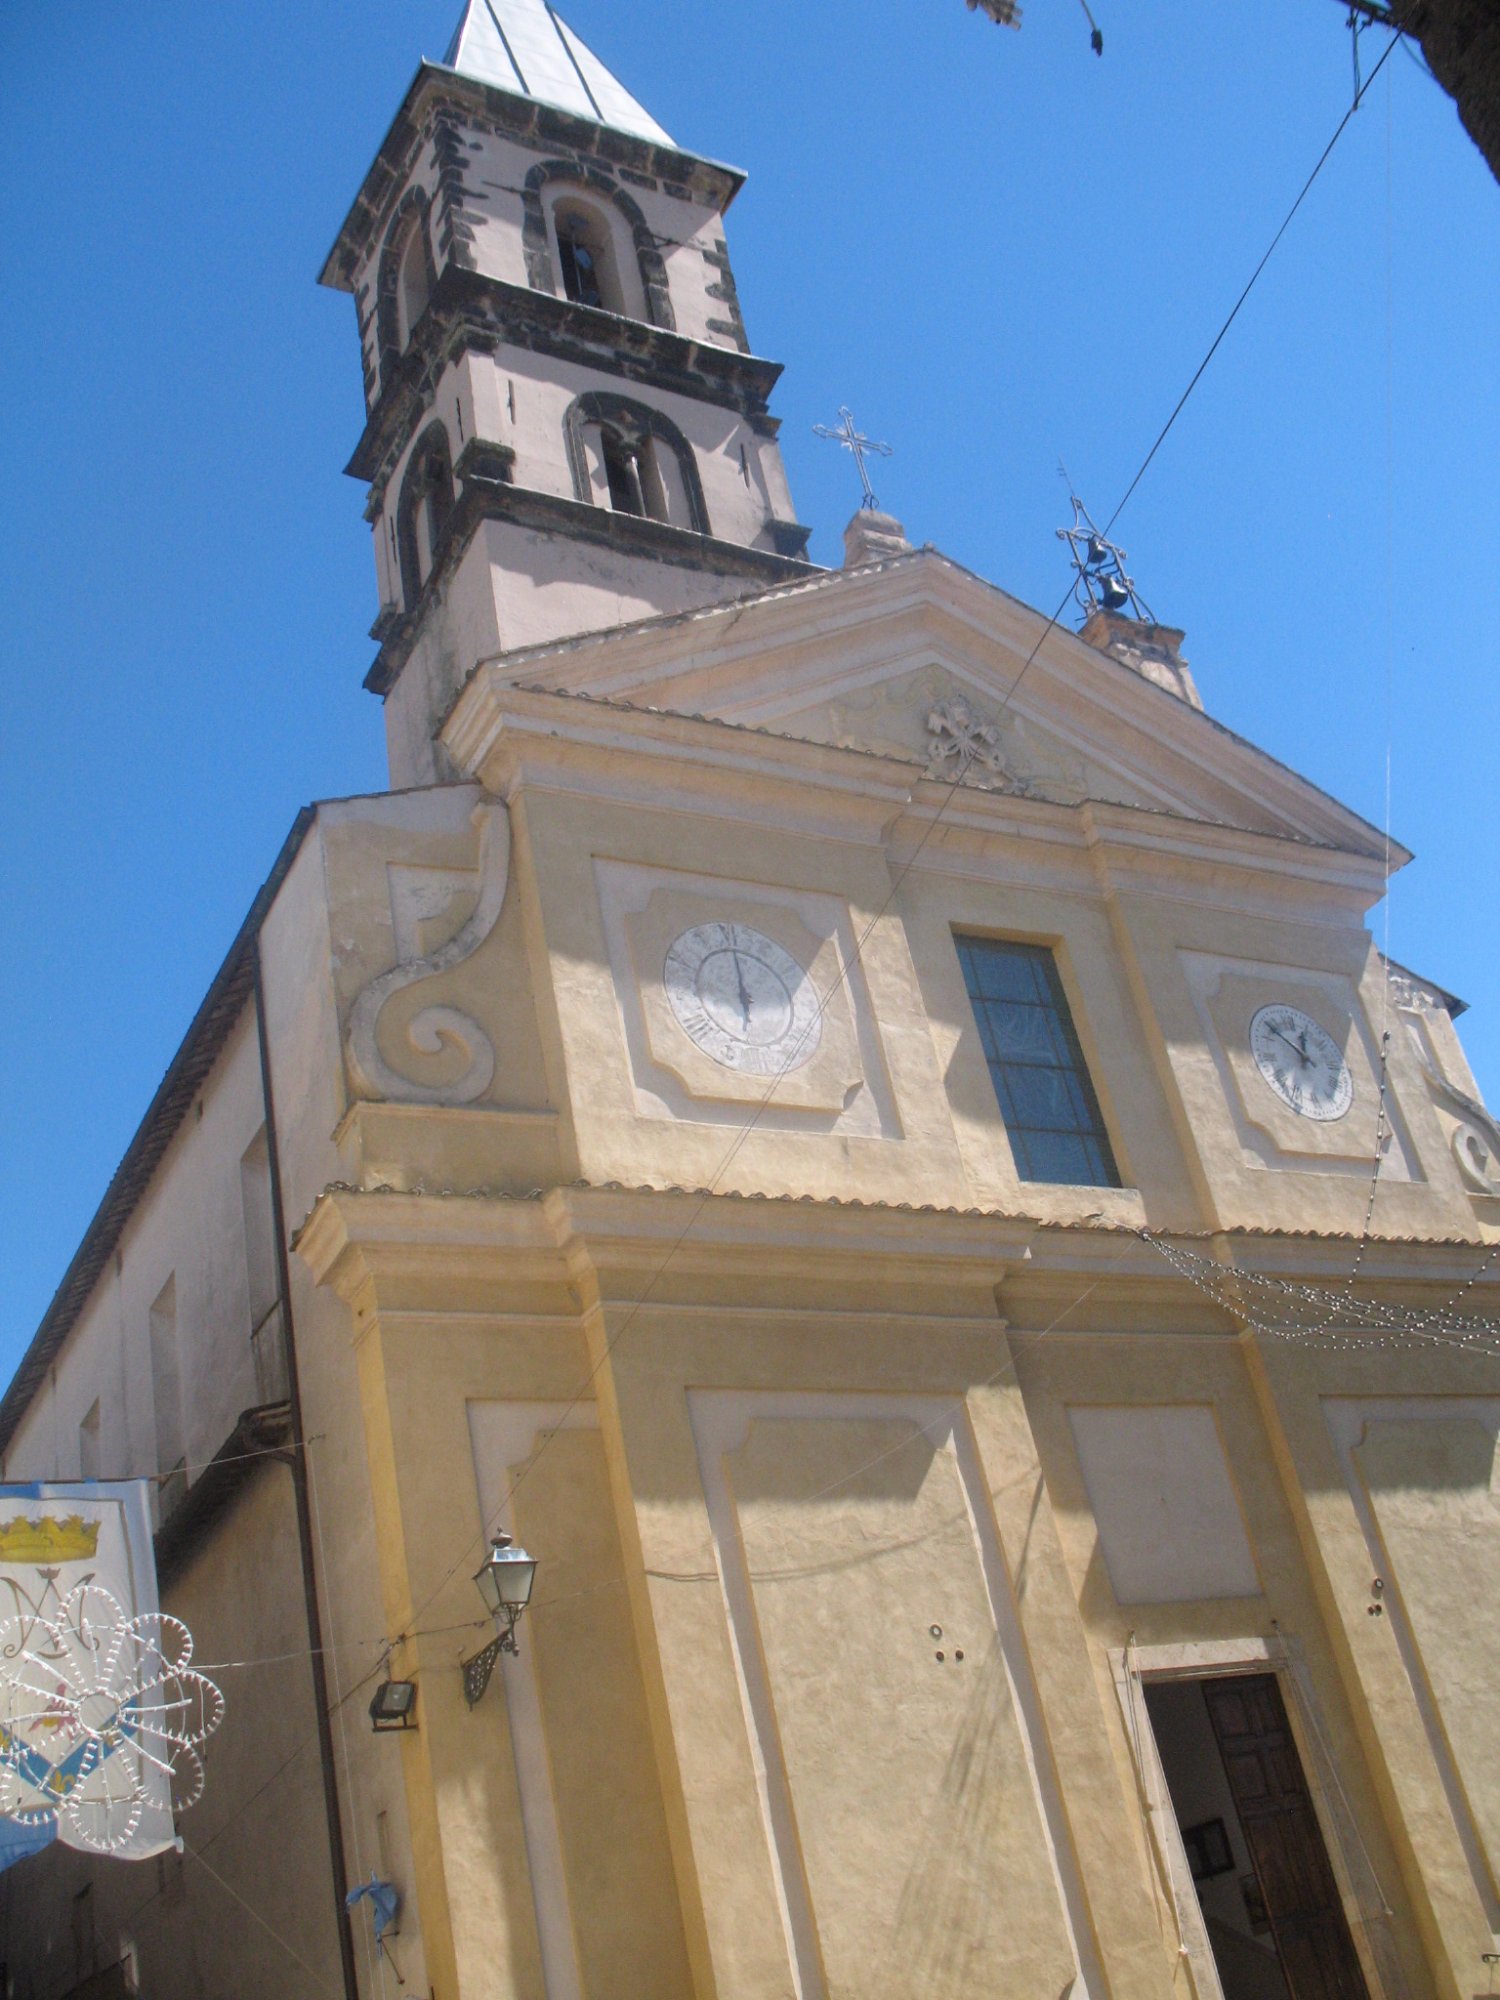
[870, 1136]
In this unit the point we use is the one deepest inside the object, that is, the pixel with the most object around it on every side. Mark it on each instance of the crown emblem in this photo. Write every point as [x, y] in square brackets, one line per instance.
[48, 1540]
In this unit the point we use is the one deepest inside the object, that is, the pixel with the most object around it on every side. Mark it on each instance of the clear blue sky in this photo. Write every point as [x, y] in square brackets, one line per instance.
[998, 249]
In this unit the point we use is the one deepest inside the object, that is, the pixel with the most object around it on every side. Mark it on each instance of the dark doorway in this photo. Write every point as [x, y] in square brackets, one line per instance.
[1270, 1903]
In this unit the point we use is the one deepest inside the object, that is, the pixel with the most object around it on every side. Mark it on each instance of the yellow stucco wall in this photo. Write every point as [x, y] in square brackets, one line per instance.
[791, 1397]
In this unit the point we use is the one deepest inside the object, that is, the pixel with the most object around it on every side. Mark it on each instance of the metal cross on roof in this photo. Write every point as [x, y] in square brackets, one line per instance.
[1102, 584]
[862, 447]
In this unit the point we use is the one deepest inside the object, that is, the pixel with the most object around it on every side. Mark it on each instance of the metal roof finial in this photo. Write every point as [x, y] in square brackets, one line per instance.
[862, 447]
[1102, 584]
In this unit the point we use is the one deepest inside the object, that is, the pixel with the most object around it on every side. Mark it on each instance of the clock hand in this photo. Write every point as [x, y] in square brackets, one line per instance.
[1296, 1048]
[745, 1001]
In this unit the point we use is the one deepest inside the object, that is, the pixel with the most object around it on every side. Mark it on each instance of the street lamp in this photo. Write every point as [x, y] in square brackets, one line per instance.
[504, 1581]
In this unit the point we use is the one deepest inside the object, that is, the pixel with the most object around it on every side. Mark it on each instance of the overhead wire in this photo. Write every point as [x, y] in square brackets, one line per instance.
[133, 1916]
[1438, 1324]
[1250, 285]
[194, 1854]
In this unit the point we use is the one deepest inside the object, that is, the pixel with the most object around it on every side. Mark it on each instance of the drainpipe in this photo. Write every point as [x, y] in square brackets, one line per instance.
[297, 1459]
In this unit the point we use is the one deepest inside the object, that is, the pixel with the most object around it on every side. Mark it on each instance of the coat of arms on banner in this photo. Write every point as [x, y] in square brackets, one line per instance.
[101, 1712]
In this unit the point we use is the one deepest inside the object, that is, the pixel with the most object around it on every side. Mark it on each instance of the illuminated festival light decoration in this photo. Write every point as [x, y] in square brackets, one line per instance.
[101, 1719]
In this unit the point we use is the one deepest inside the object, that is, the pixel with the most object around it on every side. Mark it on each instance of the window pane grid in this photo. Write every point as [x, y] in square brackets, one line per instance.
[1036, 1063]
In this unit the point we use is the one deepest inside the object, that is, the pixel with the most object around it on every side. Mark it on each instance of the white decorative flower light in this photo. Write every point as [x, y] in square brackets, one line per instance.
[101, 1719]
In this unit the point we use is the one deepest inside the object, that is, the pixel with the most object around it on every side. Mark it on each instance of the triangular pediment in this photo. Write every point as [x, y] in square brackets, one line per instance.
[949, 722]
[918, 659]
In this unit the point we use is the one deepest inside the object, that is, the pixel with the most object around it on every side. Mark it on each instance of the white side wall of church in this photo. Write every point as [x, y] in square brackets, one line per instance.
[187, 1232]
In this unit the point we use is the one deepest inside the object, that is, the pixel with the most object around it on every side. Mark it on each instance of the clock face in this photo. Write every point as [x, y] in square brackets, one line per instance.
[1301, 1062]
[742, 998]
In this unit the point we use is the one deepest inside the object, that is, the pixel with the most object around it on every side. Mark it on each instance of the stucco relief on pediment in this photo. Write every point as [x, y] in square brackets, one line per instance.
[931, 717]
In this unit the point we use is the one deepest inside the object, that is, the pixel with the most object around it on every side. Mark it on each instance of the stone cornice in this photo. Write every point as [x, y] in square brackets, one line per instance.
[543, 127]
[1315, 1256]
[552, 731]
[560, 740]
[1121, 833]
[353, 1238]
[472, 313]
[485, 496]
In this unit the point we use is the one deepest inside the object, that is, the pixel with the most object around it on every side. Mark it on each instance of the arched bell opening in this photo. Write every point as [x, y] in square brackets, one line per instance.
[407, 278]
[586, 258]
[633, 459]
[424, 510]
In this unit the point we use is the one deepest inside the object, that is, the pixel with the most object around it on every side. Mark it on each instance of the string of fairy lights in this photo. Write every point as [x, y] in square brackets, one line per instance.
[1333, 1316]
[1345, 1320]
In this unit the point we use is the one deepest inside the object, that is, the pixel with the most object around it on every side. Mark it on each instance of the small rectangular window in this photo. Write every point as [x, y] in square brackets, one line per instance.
[260, 1232]
[88, 1447]
[262, 1271]
[1051, 1114]
[166, 1378]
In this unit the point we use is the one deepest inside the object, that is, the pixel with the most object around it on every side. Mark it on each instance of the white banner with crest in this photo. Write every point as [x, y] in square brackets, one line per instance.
[101, 1712]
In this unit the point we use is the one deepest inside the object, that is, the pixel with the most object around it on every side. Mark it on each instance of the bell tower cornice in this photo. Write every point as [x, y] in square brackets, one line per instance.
[470, 312]
[486, 494]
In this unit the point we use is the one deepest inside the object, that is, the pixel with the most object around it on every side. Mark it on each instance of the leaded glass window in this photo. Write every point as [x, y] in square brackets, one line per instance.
[1051, 1114]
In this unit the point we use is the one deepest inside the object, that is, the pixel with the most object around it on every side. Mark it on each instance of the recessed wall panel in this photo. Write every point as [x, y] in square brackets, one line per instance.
[1431, 1484]
[1164, 1503]
[907, 1802]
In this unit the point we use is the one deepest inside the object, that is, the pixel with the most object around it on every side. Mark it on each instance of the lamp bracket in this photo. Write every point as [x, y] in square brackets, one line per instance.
[481, 1665]
[477, 1671]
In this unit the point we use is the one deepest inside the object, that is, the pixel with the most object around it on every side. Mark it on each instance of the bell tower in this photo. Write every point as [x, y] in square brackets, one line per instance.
[566, 429]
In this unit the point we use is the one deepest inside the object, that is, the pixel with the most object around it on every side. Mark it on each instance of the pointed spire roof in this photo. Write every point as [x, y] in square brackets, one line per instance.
[524, 46]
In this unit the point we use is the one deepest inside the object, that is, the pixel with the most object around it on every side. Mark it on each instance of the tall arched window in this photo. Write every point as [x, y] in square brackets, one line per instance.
[632, 474]
[407, 276]
[413, 287]
[424, 509]
[586, 257]
[633, 459]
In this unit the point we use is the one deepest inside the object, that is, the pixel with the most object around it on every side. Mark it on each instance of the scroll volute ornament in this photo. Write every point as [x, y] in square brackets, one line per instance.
[434, 1029]
[1475, 1154]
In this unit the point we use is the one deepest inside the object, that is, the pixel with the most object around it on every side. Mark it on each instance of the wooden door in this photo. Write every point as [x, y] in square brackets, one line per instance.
[1286, 1843]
